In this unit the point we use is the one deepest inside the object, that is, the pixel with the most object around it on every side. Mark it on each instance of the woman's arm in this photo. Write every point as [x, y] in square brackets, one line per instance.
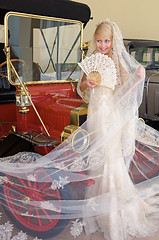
[124, 76]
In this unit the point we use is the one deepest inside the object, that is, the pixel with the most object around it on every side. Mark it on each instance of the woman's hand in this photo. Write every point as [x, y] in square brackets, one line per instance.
[90, 83]
[140, 72]
[87, 83]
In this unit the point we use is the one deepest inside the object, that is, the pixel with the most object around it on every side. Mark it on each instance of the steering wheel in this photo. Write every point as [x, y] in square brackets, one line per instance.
[18, 64]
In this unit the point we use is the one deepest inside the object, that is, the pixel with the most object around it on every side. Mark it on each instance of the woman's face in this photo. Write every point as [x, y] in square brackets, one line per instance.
[103, 45]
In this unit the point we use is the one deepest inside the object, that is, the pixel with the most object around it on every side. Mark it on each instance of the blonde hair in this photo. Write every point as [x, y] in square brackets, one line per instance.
[104, 30]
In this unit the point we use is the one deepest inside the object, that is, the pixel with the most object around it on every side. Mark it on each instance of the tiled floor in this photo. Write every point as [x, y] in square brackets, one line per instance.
[65, 234]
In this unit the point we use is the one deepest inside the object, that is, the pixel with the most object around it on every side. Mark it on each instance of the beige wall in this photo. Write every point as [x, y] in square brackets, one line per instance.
[135, 18]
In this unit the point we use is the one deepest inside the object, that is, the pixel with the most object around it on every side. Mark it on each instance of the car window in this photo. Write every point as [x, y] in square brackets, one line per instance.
[147, 56]
[156, 55]
[50, 48]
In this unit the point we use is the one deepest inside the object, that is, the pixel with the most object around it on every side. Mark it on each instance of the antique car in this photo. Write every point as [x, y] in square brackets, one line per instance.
[147, 53]
[45, 52]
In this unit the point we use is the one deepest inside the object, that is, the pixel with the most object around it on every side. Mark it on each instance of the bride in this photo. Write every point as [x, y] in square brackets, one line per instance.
[95, 163]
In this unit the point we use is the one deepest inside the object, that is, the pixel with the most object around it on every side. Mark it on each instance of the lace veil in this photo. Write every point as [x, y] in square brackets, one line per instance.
[61, 179]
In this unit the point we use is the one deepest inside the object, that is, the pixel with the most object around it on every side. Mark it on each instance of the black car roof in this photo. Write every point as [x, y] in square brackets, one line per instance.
[134, 43]
[53, 8]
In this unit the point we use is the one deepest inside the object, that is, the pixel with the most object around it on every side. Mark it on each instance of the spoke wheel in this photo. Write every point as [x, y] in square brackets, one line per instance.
[144, 165]
[35, 220]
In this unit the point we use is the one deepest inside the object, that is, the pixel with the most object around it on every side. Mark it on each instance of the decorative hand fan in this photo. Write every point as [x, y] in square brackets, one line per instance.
[101, 69]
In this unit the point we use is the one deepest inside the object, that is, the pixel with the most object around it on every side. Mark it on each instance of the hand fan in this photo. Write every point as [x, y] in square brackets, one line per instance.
[101, 69]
